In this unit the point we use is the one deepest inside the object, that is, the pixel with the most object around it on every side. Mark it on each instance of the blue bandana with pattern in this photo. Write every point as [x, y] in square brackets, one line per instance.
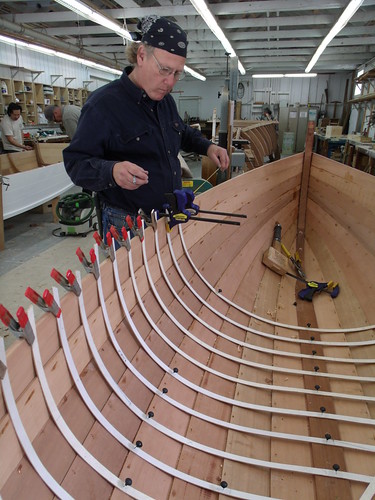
[163, 34]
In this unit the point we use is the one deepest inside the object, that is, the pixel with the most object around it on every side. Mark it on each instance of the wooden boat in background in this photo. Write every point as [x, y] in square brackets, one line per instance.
[31, 179]
[187, 369]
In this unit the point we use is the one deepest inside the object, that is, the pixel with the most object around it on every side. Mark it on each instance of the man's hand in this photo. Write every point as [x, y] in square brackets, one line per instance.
[129, 175]
[218, 155]
[28, 148]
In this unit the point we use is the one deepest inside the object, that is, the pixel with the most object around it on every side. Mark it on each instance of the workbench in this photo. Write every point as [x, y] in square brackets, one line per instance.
[331, 147]
[360, 155]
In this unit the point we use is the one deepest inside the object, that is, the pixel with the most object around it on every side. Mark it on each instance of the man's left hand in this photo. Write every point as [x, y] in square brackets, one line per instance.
[218, 155]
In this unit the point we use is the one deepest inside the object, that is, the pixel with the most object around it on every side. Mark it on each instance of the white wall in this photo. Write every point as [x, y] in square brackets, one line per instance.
[291, 90]
[34, 61]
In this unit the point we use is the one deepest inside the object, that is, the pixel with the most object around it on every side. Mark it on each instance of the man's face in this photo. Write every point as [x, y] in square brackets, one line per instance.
[15, 114]
[57, 115]
[151, 65]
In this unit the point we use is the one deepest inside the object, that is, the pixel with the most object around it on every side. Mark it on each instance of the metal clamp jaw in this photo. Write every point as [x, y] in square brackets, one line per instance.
[22, 328]
[121, 240]
[135, 230]
[47, 303]
[91, 267]
[107, 248]
[69, 283]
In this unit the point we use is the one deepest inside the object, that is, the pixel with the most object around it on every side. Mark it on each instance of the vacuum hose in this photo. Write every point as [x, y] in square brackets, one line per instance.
[69, 209]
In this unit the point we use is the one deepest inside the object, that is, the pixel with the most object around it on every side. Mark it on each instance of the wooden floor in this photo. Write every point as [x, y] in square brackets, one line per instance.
[186, 369]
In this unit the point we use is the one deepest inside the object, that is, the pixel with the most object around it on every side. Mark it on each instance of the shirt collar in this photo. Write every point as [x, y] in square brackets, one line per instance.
[135, 92]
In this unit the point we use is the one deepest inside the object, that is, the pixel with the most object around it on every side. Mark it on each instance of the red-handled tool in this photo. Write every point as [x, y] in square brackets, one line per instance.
[20, 328]
[47, 303]
[122, 241]
[135, 230]
[91, 267]
[107, 249]
[69, 283]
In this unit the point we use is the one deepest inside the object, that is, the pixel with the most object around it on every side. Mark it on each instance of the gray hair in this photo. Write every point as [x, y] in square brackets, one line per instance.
[131, 51]
[49, 111]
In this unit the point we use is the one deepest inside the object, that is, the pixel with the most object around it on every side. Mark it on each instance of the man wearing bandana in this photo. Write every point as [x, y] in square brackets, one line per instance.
[129, 134]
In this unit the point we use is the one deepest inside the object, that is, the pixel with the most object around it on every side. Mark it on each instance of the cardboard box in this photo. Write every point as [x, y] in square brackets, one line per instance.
[333, 131]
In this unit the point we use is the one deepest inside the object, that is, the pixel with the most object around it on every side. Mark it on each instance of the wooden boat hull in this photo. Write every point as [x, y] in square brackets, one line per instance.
[199, 374]
[26, 190]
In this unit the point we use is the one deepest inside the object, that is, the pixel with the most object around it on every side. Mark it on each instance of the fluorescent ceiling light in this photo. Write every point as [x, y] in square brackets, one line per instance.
[55, 53]
[203, 10]
[90, 13]
[287, 75]
[350, 10]
[93, 15]
[194, 73]
[269, 76]
[301, 75]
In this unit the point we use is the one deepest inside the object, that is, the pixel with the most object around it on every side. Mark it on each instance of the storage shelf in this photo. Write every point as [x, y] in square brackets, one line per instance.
[33, 96]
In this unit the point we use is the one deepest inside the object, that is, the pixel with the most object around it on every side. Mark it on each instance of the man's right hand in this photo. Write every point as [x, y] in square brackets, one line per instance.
[129, 175]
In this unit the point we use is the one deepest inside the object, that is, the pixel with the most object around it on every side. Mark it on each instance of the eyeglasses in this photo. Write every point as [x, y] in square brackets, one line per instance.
[177, 75]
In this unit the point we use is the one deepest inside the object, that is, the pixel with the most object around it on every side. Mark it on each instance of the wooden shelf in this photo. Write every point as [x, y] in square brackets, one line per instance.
[32, 97]
[363, 98]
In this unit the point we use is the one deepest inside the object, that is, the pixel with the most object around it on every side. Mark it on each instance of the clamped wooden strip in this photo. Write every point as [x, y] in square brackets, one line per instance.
[69, 283]
[3, 370]
[107, 249]
[91, 267]
[21, 328]
[46, 303]
[122, 241]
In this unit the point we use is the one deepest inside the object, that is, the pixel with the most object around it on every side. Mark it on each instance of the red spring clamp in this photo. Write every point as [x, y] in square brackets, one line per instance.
[69, 283]
[47, 303]
[107, 249]
[91, 267]
[21, 328]
[122, 241]
[136, 231]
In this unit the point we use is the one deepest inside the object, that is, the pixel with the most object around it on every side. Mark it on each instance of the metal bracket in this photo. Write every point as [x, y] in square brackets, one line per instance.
[54, 78]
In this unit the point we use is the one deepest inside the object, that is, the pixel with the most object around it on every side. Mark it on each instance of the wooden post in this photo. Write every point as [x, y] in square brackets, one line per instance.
[1, 215]
[230, 136]
[301, 222]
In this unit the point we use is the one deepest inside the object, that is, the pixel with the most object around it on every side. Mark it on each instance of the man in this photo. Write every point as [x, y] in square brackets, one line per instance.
[67, 115]
[11, 128]
[130, 133]
[267, 114]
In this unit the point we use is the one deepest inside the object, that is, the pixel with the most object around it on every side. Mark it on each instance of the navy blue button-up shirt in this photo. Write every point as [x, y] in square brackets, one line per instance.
[119, 122]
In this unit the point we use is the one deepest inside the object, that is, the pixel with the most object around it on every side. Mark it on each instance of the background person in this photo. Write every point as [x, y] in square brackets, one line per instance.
[267, 114]
[11, 128]
[67, 115]
[130, 133]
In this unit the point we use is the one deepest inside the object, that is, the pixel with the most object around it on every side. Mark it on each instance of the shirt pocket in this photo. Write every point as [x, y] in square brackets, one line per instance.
[175, 136]
[135, 140]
